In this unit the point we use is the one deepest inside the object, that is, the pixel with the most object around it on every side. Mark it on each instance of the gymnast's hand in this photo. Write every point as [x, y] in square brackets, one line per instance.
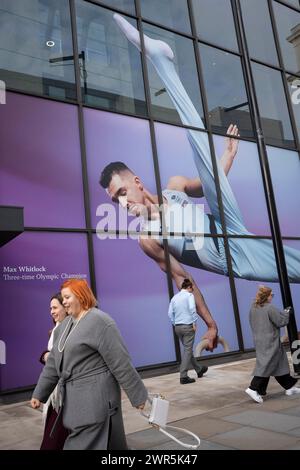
[231, 145]
[212, 336]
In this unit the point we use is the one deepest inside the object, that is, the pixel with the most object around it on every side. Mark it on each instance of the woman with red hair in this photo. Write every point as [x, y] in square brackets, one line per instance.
[89, 362]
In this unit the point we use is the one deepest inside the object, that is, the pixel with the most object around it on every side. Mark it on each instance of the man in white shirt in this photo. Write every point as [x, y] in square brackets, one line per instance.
[183, 315]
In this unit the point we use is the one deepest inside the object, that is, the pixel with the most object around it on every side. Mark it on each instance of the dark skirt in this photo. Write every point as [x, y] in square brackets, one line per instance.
[57, 441]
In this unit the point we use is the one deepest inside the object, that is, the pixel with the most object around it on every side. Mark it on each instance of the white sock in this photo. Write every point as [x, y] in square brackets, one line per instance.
[152, 46]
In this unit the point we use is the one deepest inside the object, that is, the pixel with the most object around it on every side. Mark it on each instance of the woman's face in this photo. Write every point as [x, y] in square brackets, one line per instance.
[71, 302]
[57, 311]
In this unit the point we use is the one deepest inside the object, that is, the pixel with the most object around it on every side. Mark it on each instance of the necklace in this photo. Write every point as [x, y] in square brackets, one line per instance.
[61, 348]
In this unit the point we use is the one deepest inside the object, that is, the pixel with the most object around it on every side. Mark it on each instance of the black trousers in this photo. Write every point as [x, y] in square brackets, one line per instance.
[260, 384]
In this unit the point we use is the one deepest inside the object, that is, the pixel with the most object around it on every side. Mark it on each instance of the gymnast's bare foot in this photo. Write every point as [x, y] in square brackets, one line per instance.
[153, 47]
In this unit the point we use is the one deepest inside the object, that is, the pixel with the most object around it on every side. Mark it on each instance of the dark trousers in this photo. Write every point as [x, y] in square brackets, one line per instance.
[60, 434]
[260, 384]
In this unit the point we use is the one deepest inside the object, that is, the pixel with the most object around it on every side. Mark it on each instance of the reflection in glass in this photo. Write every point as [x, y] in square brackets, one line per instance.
[260, 38]
[125, 5]
[294, 88]
[285, 172]
[36, 53]
[185, 64]
[288, 26]
[111, 71]
[273, 108]
[295, 3]
[171, 13]
[215, 23]
[225, 88]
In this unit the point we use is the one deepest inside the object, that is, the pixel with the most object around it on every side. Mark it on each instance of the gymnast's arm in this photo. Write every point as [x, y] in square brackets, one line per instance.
[193, 186]
[156, 252]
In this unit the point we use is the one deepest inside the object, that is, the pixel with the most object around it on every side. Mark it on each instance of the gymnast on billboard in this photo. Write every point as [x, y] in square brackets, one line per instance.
[252, 259]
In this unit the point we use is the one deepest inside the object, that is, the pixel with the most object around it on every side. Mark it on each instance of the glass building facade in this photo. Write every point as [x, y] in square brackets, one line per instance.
[79, 96]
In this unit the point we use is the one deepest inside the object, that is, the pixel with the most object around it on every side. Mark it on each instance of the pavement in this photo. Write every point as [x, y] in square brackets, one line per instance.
[215, 407]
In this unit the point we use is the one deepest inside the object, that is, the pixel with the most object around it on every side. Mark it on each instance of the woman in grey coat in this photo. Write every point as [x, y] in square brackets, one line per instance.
[271, 359]
[89, 362]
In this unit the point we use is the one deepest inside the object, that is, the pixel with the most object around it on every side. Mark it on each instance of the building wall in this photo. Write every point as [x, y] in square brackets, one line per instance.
[80, 96]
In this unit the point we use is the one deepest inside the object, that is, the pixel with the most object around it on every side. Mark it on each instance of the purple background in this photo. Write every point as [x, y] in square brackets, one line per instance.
[40, 161]
[134, 291]
[112, 137]
[25, 312]
[285, 171]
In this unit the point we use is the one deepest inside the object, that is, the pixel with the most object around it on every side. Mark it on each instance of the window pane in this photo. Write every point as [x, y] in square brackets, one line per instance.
[25, 299]
[171, 13]
[126, 5]
[295, 3]
[40, 161]
[288, 25]
[109, 138]
[260, 38]
[295, 287]
[111, 70]
[34, 33]
[185, 65]
[273, 108]
[285, 171]
[140, 307]
[226, 92]
[244, 177]
[294, 87]
[219, 305]
[215, 23]
[177, 160]
[246, 291]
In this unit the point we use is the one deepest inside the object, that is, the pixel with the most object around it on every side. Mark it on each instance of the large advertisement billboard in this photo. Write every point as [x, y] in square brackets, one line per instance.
[138, 243]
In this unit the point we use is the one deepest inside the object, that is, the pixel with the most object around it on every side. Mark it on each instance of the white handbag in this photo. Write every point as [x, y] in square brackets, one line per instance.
[158, 417]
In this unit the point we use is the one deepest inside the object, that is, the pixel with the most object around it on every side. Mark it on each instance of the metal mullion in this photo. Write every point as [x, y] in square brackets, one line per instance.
[266, 64]
[244, 71]
[111, 8]
[217, 182]
[39, 95]
[87, 207]
[289, 5]
[216, 46]
[283, 76]
[156, 166]
[269, 192]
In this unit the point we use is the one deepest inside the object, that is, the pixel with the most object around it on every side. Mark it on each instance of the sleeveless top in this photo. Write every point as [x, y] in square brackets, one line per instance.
[185, 220]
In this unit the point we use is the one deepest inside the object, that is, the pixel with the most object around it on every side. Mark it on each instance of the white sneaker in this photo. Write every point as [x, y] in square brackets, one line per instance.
[254, 395]
[292, 391]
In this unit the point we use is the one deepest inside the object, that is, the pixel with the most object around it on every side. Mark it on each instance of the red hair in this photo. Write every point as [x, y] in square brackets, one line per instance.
[83, 292]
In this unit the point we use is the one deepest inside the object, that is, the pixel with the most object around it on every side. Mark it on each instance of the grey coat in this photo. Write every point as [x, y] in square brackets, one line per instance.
[271, 359]
[89, 370]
